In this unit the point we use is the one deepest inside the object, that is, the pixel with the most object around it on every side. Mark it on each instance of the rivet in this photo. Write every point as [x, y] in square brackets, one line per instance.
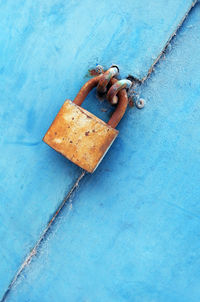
[140, 103]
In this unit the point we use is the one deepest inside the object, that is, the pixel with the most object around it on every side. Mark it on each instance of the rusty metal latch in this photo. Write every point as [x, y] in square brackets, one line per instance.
[81, 136]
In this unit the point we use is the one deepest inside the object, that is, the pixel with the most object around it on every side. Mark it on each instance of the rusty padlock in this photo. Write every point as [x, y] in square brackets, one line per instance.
[81, 136]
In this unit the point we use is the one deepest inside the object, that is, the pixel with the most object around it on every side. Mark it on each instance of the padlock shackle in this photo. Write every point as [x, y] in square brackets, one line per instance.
[85, 90]
[121, 106]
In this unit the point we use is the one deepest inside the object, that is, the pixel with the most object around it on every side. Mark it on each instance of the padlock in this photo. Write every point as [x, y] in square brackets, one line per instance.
[81, 136]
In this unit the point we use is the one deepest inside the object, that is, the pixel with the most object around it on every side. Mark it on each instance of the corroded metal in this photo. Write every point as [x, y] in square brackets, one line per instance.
[105, 79]
[121, 106]
[80, 136]
[85, 89]
[96, 71]
[114, 90]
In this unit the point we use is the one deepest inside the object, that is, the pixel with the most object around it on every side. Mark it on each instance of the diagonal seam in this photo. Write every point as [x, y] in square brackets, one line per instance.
[151, 69]
[43, 236]
[76, 184]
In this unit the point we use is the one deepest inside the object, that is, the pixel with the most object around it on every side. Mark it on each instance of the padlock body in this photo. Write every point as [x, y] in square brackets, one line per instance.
[80, 136]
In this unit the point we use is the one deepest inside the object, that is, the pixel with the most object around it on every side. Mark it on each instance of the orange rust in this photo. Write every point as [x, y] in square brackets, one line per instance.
[79, 135]
[116, 88]
[122, 103]
[105, 79]
[121, 107]
[90, 136]
[84, 91]
[131, 103]
[93, 72]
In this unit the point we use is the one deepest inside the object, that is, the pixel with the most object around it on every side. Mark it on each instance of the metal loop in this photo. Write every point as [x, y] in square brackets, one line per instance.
[116, 88]
[122, 103]
[121, 106]
[107, 76]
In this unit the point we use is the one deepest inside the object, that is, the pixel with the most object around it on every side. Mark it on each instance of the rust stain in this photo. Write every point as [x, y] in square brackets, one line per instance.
[131, 103]
[93, 72]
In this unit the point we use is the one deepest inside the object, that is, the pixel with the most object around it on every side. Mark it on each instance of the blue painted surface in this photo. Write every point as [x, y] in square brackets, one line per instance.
[46, 49]
[132, 231]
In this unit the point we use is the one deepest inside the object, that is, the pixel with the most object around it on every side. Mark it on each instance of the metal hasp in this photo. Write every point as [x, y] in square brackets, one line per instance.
[81, 136]
[114, 90]
[105, 79]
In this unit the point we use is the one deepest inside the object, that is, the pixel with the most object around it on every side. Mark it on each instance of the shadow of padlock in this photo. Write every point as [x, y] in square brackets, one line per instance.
[81, 136]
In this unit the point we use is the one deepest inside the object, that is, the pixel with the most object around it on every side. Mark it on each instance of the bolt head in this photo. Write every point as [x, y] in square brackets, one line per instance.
[140, 103]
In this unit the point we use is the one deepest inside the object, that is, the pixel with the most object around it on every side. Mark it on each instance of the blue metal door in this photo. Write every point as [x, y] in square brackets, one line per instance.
[130, 231]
